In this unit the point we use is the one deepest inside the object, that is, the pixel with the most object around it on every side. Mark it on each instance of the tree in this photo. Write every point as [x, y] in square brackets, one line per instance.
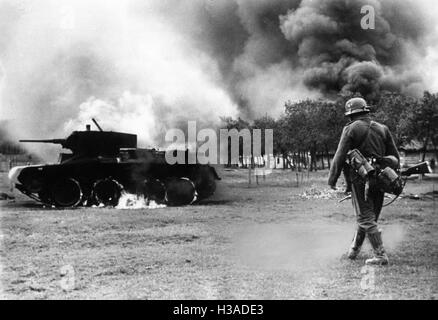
[239, 124]
[266, 123]
[331, 126]
[421, 122]
[313, 127]
[393, 109]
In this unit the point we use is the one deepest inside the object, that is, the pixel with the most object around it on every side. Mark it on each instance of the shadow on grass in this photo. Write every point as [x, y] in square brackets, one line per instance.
[212, 202]
[13, 204]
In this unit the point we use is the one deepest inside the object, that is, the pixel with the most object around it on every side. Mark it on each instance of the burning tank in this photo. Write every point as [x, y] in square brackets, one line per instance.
[102, 165]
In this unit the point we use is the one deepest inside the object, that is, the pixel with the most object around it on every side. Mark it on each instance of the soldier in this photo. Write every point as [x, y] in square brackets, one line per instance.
[372, 139]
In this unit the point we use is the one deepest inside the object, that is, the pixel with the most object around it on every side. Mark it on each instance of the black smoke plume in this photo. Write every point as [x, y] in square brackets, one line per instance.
[279, 45]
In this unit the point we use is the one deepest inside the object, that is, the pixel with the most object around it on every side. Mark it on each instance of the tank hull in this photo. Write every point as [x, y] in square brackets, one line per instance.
[102, 165]
[63, 184]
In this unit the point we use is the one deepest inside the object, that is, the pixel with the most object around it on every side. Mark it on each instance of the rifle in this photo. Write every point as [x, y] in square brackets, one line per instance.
[421, 168]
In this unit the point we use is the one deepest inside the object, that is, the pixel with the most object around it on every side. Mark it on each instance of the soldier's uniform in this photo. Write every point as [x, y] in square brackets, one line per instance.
[372, 139]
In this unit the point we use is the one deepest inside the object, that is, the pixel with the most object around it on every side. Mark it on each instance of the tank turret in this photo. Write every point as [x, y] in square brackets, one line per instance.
[94, 143]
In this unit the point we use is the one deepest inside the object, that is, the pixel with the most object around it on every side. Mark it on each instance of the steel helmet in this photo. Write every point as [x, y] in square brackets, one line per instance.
[356, 105]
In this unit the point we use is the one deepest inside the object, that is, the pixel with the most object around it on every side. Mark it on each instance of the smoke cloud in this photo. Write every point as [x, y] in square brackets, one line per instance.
[338, 55]
[144, 67]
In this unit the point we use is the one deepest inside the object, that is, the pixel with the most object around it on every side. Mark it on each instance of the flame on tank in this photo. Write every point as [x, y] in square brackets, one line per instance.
[133, 201]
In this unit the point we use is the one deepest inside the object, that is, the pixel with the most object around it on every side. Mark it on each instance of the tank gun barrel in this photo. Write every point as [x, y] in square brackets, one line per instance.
[56, 141]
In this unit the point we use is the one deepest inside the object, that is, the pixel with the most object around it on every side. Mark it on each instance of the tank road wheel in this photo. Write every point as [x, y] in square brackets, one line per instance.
[205, 182]
[45, 196]
[66, 193]
[107, 192]
[154, 190]
[180, 192]
[35, 184]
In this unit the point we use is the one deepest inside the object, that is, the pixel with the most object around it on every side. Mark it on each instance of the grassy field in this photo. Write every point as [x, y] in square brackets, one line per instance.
[258, 242]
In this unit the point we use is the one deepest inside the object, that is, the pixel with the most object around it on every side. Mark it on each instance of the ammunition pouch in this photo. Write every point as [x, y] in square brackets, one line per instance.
[360, 164]
[386, 180]
[389, 181]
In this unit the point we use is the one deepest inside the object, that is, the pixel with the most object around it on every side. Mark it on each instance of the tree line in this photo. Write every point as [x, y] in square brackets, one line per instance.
[309, 130]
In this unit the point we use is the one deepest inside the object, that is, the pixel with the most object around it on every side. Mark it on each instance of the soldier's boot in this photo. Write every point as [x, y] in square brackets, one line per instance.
[380, 257]
[356, 245]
